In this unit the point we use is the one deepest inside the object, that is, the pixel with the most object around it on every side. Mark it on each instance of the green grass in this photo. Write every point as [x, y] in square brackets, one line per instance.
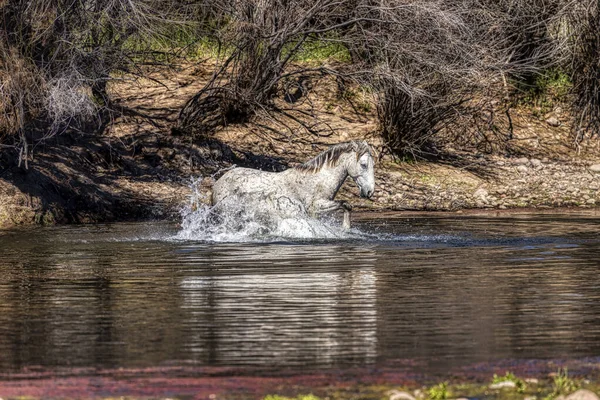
[321, 50]
[520, 384]
[182, 42]
[299, 397]
[547, 90]
[438, 392]
[544, 389]
[563, 384]
[189, 44]
[358, 98]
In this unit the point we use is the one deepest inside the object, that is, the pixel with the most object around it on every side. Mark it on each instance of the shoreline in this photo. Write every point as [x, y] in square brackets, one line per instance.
[139, 168]
[365, 213]
[371, 382]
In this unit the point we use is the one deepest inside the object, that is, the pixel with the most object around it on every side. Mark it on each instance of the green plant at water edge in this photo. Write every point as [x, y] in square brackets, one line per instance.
[520, 384]
[299, 397]
[562, 383]
[438, 392]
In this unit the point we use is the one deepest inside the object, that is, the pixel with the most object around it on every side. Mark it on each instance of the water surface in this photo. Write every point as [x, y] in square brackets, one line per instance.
[443, 290]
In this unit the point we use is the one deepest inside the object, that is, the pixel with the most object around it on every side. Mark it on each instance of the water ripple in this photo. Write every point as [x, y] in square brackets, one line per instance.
[453, 290]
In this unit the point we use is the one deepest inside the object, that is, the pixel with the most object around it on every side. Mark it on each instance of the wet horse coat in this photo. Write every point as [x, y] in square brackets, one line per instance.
[306, 190]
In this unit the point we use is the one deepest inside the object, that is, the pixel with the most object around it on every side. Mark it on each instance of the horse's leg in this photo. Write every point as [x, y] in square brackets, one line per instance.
[346, 221]
[323, 206]
[328, 206]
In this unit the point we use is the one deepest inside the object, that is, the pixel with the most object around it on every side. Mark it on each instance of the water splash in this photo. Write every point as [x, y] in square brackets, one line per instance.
[234, 223]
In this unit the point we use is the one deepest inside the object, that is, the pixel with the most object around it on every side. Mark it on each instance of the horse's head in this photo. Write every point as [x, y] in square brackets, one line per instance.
[363, 173]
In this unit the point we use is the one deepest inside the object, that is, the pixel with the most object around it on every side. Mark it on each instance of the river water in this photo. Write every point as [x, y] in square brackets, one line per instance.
[443, 290]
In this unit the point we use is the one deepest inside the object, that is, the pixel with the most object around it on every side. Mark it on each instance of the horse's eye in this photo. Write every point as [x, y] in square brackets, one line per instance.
[364, 166]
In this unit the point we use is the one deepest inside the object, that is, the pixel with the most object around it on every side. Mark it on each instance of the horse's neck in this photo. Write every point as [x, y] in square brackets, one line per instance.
[330, 179]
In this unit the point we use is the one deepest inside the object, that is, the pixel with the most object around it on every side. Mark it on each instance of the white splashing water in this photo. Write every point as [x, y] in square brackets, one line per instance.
[236, 224]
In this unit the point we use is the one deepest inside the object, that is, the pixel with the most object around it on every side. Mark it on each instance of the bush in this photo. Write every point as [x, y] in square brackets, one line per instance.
[585, 27]
[263, 39]
[58, 57]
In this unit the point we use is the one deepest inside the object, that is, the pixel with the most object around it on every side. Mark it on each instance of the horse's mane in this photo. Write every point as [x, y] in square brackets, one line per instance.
[332, 155]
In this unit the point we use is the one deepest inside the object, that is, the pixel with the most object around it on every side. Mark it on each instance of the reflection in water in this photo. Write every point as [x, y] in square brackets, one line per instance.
[450, 290]
[279, 305]
[289, 313]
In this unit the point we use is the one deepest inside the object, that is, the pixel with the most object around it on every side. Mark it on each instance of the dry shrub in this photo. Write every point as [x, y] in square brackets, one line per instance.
[260, 40]
[429, 59]
[424, 59]
[58, 57]
[585, 26]
[22, 90]
[531, 32]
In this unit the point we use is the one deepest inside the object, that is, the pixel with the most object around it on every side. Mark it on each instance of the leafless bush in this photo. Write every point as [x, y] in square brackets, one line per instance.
[58, 57]
[531, 33]
[68, 97]
[21, 88]
[585, 25]
[423, 58]
[261, 40]
[428, 58]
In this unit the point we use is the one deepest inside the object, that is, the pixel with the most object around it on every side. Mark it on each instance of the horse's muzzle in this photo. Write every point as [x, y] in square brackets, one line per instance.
[366, 193]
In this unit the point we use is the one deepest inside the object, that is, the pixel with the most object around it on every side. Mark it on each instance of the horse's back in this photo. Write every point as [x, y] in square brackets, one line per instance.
[243, 182]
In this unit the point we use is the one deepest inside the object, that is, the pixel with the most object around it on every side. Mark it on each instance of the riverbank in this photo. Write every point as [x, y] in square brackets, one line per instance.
[505, 380]
[140, 168]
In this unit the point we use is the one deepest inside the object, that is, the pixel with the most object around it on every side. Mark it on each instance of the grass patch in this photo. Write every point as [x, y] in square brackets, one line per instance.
[562, 384]
[357, 99]
[438, 392]
[520, 384]
[177, 42]
[318, 50]
[299, 397]
[547, 90]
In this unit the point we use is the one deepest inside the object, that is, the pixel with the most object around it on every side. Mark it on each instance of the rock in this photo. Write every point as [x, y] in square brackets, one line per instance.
[532, 381]
[480, 193]
[504, 384]
[535, 163]
[595, 168]
[590, 202]
[521, 161]
[553, 121]
[522, 169]
[399, 395]
[583, 394]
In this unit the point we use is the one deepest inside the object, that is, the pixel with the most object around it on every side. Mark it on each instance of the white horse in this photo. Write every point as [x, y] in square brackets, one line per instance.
[308, 189]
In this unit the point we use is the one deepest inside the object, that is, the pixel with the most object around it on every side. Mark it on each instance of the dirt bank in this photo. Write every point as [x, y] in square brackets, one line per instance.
[139, 169]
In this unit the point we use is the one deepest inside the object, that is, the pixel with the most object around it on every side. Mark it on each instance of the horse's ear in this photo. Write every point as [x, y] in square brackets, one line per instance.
[375, 153]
